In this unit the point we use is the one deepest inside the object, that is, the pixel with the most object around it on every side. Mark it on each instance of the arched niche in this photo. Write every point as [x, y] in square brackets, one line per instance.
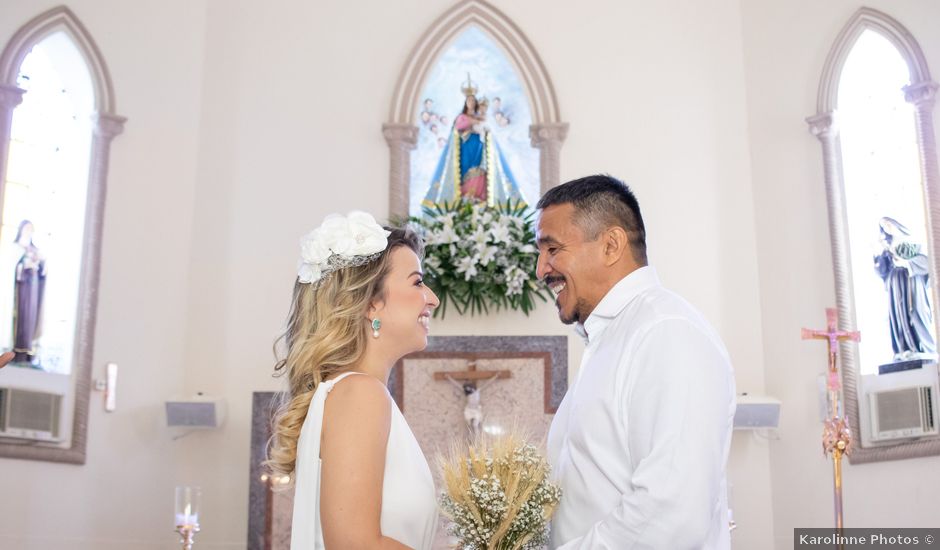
[105, 125]
[920, 93]
[547, 131]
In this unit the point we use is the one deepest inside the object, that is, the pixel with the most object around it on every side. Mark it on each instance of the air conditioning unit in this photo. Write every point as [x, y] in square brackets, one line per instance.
[31, 415]
[902, 405]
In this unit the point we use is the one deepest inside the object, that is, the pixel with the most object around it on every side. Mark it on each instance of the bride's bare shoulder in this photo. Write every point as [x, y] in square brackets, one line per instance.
[360, 395]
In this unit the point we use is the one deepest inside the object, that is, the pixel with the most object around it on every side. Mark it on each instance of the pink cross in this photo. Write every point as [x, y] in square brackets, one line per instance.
[833, 336]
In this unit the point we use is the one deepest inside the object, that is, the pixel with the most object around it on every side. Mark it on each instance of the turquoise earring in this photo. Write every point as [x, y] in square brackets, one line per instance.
[376, 325]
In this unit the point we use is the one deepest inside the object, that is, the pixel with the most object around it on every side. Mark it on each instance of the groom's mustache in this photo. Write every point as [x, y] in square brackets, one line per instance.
[550, 280]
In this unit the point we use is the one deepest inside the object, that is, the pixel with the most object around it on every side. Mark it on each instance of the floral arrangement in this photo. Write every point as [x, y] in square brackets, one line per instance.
[479, 256]
[498, 496]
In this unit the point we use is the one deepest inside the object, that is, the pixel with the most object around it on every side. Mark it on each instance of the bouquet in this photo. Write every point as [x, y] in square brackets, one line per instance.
[479, 256]
[498, 496]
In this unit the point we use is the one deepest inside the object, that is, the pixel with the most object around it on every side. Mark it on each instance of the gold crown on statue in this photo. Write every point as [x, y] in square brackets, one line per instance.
[469, 87]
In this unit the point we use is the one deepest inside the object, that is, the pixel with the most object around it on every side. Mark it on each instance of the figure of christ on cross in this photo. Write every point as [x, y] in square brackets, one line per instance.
[837, 436]
[466, 382]
[833, 336]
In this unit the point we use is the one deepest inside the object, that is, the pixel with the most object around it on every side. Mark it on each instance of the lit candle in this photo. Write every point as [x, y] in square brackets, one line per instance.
[187, 517]
[187, 506]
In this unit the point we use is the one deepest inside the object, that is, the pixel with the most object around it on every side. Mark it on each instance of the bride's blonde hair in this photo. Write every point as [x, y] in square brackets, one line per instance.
[326, 333]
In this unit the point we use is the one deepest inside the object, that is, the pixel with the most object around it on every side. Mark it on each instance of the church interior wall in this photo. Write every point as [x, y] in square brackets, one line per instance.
[248, 123]
[795, 264]
[122, 496]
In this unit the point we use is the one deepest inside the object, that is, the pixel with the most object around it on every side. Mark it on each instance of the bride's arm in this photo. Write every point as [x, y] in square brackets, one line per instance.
[356, 422]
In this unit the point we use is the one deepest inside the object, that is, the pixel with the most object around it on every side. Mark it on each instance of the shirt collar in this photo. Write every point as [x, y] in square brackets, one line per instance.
[615, 300]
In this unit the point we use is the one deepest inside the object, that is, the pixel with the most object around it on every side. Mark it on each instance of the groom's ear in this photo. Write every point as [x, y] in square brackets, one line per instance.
[616, 244]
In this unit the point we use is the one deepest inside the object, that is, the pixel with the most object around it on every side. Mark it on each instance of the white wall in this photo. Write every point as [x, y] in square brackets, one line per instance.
[290, 132]
[249, 122]
[785, 45]
[122, 497]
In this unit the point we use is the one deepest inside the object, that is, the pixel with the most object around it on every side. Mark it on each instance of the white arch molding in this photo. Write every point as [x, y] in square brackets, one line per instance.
[921, 93]
[106, 125]
[547, 131]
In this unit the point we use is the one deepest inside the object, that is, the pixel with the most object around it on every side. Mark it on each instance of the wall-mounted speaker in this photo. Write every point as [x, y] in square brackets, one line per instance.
[197, 412]
[756, 412]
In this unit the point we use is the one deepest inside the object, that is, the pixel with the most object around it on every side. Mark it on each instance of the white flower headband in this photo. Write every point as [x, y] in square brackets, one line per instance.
[340, 241]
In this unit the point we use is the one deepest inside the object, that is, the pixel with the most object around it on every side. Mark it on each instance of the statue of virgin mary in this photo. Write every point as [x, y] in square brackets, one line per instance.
[472, 165]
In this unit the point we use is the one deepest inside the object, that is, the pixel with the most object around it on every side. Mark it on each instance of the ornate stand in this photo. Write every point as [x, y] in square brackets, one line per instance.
[187, 533]
[837, 436]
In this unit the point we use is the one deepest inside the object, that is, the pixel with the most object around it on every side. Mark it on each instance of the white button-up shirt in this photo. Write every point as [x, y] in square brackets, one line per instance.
[640, 442]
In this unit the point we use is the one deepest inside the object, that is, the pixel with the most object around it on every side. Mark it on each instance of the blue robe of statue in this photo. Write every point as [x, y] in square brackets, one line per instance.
[472, 165]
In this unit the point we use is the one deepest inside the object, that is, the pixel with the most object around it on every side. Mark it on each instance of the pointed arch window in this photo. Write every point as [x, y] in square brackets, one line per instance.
[473, 55]
[57, 120]
[884, 197]
[875, 123]
[43, 219]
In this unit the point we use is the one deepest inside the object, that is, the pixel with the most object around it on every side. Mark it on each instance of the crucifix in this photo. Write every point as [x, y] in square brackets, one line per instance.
[837, 436]
[473, 409]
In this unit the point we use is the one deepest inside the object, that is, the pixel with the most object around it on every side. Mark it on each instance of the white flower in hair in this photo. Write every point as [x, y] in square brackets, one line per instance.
[314, 249]
[340, 241]
[336, 233]
[308, 273]
[366, 239]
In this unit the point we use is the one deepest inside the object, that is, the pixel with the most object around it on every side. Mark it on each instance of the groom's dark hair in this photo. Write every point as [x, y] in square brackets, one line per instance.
[602, 201]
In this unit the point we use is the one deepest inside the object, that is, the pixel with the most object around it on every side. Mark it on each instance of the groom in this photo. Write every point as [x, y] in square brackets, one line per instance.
[640, 441]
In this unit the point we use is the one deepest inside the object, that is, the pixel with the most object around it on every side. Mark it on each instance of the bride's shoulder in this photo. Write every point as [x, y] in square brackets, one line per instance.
[357, 407]
[359, 393]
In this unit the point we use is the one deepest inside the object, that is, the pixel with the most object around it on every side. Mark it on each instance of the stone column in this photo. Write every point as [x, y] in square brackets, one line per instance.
[548, 138]
[923, 96]
[401, 139]
[105, 128]
[825, 127]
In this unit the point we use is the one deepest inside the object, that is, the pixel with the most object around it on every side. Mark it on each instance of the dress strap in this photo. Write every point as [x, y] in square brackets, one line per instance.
[332, 382]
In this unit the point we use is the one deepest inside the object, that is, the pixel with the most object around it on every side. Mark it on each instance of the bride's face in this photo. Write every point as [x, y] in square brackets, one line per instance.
[406, 311]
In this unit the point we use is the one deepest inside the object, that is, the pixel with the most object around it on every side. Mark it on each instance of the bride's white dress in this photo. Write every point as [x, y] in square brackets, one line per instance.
[409, 503]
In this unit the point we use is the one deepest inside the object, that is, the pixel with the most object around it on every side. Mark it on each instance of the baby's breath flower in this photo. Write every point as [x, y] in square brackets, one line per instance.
[484, 490]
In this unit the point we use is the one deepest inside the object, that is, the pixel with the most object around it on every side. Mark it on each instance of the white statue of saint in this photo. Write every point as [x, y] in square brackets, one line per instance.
[473, 409]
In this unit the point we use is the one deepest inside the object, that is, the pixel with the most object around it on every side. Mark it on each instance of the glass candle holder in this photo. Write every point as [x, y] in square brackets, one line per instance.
[187, 506]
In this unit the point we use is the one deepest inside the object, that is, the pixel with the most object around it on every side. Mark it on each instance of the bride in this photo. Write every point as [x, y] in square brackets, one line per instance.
[359, 305]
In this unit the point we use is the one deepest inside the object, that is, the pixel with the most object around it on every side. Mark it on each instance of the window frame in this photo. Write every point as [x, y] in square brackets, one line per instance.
[106, 124]
[921, 93]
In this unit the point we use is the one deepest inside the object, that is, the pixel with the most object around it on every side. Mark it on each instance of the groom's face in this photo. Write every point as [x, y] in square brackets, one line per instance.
[568, 263]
